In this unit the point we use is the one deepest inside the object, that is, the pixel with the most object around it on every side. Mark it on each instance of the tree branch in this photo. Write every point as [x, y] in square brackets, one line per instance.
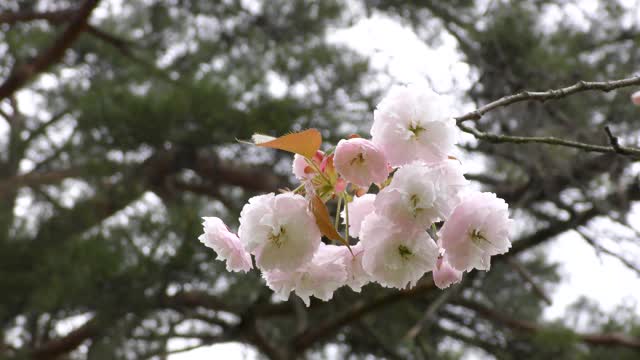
[21, 74]
[12, 18]
[65, 344]
[193, 299]
[606, 339]
[358, 310]
[36, 179]
[580, 86]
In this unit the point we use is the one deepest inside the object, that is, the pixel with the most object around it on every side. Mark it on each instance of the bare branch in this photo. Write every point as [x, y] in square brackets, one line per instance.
[580, 86]
[21, 74]
[550, 140]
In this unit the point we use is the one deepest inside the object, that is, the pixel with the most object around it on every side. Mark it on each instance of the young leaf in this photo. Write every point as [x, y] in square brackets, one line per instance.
[323, 220]
[305, 143]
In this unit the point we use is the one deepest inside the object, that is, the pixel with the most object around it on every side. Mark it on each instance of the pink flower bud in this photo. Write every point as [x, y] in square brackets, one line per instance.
[635, 98]
[302, 170]
[444, 275]
[361, 162]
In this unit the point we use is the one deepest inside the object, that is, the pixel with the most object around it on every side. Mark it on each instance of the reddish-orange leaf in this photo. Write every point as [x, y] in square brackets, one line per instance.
[305, 143]
[323, 220]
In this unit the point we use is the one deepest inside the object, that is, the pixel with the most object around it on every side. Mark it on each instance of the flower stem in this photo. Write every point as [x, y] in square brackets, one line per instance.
[346, 217]
[338, 209]
[298, 189]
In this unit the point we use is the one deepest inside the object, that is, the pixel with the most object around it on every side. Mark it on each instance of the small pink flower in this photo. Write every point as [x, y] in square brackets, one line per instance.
[279, 231]
[352, 261]
[226, 245]
[413, 123]
[635, 98]
[477, 229]
[396, 256]
[444, 275]
[320, 278]
[361, 162]
[420, 194]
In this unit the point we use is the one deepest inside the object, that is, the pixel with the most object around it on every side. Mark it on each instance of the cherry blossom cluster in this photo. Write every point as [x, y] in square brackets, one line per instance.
[401, 199]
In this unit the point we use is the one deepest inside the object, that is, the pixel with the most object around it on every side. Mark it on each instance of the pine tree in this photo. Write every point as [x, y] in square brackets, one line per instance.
[118, 127]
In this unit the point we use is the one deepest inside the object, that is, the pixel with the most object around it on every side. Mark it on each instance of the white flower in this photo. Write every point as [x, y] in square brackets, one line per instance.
[226, 245]
[396, 255]
[359, 208]
[422, 194]
[477, 229]
[320, 278]
[279, 231]
[412, 123]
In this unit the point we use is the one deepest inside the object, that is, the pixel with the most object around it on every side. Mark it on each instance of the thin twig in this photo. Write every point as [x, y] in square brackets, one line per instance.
[526, 275]
[580, 86]
[430, 312]
[601, 248]
[5, 116]
[549, 140]
[615, 143]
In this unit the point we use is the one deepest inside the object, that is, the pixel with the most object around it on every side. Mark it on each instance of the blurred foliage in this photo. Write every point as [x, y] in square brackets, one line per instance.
[140, 119]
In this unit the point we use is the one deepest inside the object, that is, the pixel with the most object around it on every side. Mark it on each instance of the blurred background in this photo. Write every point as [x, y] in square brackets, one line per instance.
[116, 137]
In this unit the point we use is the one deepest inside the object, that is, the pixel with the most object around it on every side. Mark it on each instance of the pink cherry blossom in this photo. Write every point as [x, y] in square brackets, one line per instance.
[396, 256]
[319, 278]
[421, 194]
[352, 260]
[477, 229]
[444, 275]
[635, 98]
[412, 123]
[279, 231]
[226, 245]
[361, 162]
[359, 208]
